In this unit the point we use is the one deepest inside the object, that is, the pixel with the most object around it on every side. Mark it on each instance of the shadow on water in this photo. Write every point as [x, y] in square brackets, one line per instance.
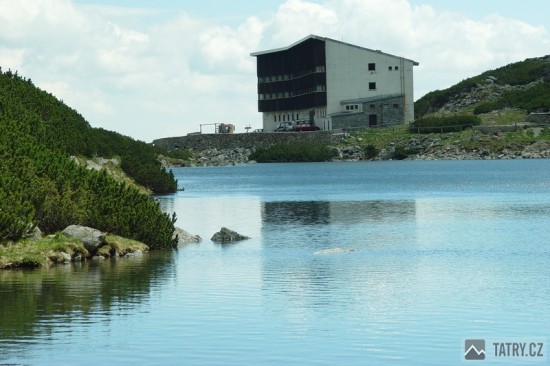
[36, 304]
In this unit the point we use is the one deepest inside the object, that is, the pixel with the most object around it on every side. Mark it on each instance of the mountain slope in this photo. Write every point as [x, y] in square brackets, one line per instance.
[61, 128]
[524, 85]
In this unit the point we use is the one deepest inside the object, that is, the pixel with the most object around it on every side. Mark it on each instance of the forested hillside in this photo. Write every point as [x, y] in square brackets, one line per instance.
[40, 185]
[61, 128]
[524, 85]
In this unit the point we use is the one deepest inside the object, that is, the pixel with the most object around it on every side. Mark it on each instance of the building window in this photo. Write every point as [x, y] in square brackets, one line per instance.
[373, 106]
[396, 68]
[396, 106]
[390, 68]
[356, 106]
[372, 66]
[372, 86]
[347, 108]
[275, 118]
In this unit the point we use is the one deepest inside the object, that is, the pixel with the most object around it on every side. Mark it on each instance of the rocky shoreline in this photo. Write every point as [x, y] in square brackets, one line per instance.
[481, 144]
[77, 243]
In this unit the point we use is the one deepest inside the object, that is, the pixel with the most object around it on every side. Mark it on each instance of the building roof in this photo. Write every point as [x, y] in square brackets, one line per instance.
[313, 36]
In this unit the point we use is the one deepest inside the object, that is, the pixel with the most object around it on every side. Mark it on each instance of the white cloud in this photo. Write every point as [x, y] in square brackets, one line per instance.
[148, 73]
[228, 49]
[296, 19]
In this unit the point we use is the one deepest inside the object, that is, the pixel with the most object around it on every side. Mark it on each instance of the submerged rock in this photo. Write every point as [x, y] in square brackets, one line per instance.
[335, 251]
[227, 236]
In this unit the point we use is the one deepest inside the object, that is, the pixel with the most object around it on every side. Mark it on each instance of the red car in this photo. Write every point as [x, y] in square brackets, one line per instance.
[305, 126]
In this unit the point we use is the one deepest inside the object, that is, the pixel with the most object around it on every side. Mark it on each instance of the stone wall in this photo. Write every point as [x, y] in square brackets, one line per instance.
[542, 118]
[244, 140]
[388, 112]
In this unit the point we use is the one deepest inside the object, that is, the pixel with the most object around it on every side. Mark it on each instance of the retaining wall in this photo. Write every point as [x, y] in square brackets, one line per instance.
[245, 140]
[542, 118]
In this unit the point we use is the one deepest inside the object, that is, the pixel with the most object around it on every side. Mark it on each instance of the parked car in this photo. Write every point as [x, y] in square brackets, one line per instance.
[285, 126]
[305, 126]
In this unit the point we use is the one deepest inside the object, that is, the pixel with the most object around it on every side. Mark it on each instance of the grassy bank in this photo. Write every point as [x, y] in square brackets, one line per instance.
[56, 249]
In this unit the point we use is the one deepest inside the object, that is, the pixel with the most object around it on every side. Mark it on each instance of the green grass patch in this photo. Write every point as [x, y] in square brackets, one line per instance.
[380, 138]
[31, 254]
[506, 116]
[117, 245]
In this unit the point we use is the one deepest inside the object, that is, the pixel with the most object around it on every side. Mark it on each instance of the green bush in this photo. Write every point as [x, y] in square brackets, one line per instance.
[402, 153]
[444, 124]
[295, 152]
[370, 152]
[489, 107]
[531, 99]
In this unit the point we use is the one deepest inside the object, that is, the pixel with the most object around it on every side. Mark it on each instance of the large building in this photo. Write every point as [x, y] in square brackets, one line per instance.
[336, 84]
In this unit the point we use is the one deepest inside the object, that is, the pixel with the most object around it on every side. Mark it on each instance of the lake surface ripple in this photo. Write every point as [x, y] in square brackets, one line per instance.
[349, 264]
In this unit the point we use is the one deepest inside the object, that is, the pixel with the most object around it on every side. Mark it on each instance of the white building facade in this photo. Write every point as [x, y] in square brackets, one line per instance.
[335, 84]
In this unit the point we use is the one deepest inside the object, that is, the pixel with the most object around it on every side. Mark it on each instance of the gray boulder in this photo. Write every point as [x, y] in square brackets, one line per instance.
[91, 238]
[35, 234]
[227, 236]
[186, 238]
[66, 257]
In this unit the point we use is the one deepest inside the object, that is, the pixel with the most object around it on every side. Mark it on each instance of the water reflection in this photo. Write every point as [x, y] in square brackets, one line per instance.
[326, 212]
[294, 231]
[36, 304]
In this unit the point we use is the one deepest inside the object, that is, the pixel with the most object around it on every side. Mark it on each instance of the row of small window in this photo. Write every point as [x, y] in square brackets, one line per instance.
[268, 79]
[295, 117]
[285, 117]
[351, 107]
[318, 88]
[372, 67]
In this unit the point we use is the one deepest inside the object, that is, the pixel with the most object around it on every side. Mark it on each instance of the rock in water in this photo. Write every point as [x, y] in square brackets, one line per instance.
[91, 238]
[185, 238]
[227, 236]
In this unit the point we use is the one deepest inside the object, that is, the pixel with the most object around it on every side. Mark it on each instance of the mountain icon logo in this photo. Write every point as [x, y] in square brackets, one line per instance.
[474, 349]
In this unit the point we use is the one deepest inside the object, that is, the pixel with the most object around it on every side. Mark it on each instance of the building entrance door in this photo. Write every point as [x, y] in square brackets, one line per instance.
[373, 120]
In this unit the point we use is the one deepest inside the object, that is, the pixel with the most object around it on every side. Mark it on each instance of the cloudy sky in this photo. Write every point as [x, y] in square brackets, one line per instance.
[159, 68]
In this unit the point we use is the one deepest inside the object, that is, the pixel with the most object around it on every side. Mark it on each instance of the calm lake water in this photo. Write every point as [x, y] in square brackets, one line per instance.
[433, 253]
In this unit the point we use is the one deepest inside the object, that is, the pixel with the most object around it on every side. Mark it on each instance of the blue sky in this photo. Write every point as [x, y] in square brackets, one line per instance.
[152, 69]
